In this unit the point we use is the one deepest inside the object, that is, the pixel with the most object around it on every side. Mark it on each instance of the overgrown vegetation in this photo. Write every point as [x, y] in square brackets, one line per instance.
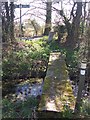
[29, 58]
[85, 108]
[19, 109]
[24, 58]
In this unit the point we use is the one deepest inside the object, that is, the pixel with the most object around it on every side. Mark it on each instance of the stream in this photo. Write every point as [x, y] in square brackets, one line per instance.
[28, 90]
[36, 89]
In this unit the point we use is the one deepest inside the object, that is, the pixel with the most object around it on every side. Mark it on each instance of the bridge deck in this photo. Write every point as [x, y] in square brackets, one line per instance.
[57, 90]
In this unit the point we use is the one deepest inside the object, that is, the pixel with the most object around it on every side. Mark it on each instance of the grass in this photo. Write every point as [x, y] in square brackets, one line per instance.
[20, 109]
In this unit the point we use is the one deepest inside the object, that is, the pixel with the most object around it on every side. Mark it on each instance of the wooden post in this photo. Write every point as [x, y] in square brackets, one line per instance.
[0, 60]
[50, 37]
[80, 88]
[79, 95]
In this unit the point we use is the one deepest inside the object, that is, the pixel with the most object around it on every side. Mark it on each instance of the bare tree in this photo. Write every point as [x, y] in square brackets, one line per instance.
[88, 56]
[8, 22]
[74, 26]
[12, 22]
[36, 26]
[48, 17]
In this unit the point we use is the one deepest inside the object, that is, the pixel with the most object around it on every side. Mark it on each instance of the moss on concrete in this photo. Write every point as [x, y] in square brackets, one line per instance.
[46, 85]
[43, 102]
[57, 86]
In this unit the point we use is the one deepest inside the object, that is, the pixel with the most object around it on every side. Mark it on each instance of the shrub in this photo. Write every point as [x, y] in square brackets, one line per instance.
[67, 113]
[19, 62]
[18, 109]
[85, 109]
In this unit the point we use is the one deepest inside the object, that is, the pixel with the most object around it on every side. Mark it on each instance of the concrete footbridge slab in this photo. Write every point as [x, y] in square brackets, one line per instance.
[57, 90]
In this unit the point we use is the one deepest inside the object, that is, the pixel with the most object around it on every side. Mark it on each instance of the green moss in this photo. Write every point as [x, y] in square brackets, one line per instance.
[46, 85]
[42, 102]
[57, 85]
[57, 71]
[69, 89]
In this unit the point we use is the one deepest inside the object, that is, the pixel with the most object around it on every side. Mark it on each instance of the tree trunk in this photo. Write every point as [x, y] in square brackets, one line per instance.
[50, 38]
[73, 34]
[88, 33]
[12, 22]
[83, 20]
[3, 29]
[7, 27]
[59, 37]
[48, 18]
[76, 22]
